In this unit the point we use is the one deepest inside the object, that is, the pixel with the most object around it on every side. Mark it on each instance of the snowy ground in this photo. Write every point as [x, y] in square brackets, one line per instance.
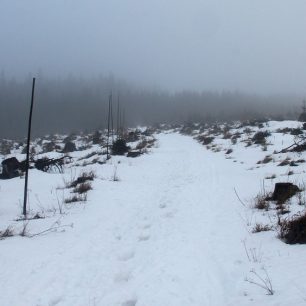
[170, 232]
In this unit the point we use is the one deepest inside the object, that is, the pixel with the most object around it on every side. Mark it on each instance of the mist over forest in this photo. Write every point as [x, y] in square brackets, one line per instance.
[76, 104]
[171, 61]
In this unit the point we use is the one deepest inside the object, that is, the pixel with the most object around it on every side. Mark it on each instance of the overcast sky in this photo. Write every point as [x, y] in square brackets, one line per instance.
[248, 45]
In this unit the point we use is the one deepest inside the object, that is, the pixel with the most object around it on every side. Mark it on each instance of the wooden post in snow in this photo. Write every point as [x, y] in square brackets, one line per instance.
[28, 153]
[108, 125]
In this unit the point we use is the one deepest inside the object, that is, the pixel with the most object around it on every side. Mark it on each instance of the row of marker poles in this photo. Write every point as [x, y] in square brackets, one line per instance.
[110, 123]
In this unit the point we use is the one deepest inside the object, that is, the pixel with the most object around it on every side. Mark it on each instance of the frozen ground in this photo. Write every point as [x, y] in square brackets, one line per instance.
[170, 232]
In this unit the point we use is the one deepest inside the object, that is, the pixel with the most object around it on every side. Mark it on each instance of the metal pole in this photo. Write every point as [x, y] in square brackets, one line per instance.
[28, 153]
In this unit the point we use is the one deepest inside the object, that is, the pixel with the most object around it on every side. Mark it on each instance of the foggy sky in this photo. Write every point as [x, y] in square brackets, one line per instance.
[251, 46]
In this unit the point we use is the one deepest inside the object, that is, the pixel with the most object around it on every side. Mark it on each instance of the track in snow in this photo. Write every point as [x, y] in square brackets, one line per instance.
[167, 234]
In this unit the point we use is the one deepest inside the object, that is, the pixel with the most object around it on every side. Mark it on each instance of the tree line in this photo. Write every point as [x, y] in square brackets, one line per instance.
[72, 104]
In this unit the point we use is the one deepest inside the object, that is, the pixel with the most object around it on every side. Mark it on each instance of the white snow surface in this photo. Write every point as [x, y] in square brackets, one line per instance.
[170, 232]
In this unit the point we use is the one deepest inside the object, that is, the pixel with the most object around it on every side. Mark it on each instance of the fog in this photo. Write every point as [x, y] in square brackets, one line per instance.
[152, 52]
[254, 46]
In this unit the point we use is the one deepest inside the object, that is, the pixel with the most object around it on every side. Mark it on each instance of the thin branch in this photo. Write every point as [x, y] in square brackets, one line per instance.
[239, 198]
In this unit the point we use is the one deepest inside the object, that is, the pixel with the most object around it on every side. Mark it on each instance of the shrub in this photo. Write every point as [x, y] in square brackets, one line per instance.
[96, 138]
[266, 160]
[207, 140]
[69, 147]
[84, 177]
[260, 202]
[260, 137]
[76, 198]
[293, 230]
[82, 188]
[285, 162]
[296, 131]
[119, 147]
[49, 147]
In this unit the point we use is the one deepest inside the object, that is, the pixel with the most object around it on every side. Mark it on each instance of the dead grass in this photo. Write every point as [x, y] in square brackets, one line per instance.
[261, 228]
[8, 232]
[261, 202]
[267, 159]
[83, 177]
[76, 198]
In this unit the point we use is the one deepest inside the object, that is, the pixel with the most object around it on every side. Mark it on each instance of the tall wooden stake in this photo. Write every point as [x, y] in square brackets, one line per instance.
[118, 116]
[28, 153]
[108, 126]
[112, 119]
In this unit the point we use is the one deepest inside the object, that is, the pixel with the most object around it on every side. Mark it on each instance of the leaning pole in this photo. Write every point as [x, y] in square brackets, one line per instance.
[28, 153]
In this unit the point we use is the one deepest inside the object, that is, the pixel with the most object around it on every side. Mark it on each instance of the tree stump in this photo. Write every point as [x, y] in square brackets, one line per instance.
[284, 191]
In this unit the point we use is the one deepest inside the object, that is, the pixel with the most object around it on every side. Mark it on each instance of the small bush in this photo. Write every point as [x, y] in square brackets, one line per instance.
[142, 145]
[266, 160]
[69, 147]
[260, 202]
[293, 230]
[205, 140]
[296, 132]
[227, 135]
[119, 147]
[84, 177]
[299, 148]
[82, 188]
[76, 198]
[96, 138]
[260, 137]
[285, 162]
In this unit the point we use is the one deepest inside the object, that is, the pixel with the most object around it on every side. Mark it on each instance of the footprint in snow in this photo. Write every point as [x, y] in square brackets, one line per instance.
[145, 226]
[162, 205]
[122, 277]
[144, 237]
[126, 256]
[169, 214]
[129, 303]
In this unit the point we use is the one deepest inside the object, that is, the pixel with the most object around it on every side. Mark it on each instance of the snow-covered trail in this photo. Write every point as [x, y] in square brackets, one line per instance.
[168, 233]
